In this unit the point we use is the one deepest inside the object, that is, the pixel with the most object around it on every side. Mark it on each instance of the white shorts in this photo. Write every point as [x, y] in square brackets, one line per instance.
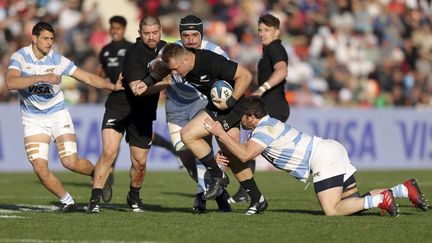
[330, 159]
[53, 125]
[178, 115]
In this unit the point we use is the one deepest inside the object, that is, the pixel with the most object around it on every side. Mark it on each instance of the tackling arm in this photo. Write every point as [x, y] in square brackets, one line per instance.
[244, 152]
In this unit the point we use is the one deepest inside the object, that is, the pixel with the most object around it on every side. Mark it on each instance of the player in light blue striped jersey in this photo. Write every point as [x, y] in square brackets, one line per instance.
[35, 71]
[183, 102]
[305, 157]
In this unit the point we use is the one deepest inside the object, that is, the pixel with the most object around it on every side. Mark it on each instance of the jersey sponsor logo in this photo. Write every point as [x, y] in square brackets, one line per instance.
[204, 79]
[50, 70]
[113, 62]
[121, 52]
[40, 89]
[66, 126]
[225, 125]
[110, 122]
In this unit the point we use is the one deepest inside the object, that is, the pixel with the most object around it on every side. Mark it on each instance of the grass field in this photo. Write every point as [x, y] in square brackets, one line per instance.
[293, 216]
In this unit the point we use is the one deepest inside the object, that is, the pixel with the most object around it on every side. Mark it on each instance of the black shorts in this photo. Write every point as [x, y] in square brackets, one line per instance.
[138, 131]
[228, 118]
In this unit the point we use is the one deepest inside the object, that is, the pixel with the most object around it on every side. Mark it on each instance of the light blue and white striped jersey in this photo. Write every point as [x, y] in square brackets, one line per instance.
[183, 93]
[285, 147]
[41, 98]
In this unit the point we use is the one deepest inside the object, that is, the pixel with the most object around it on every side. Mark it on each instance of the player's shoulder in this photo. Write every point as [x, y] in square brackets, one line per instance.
[211, 46]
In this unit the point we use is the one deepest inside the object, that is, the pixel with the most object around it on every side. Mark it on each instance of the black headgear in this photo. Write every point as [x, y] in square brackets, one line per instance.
[191, 22]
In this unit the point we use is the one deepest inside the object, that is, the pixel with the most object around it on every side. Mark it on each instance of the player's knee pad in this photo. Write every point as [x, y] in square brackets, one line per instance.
[66, 148]
[37, 150]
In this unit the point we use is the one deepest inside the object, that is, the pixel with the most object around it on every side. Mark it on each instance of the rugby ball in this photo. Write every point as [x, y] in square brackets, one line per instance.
[221, 89]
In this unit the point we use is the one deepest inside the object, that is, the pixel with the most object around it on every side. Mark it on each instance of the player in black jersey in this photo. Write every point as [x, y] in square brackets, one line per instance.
[126, 112]
[272, 71]
[111, 60]
[202, 68]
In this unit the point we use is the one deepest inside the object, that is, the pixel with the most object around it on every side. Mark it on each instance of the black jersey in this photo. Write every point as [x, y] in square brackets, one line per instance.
[208, 68]
[274, 98]
[135, 67]
[111, 58]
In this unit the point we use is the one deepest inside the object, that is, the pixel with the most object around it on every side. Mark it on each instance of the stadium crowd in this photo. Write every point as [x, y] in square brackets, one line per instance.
[355, 53]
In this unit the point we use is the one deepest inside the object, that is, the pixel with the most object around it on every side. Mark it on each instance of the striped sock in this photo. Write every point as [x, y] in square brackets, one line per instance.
[67, 199]
[400, 191]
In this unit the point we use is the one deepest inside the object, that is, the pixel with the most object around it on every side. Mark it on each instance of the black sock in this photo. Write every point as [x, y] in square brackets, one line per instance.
[252, 165]
[134, 192]
[160, 141]
[210, 162]
[96, 194]
[252, 189]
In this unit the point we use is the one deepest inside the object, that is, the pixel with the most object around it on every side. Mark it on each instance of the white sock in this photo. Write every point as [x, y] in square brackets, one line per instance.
[400, 191]
[201, 174]
[67, 199]
[372, 201]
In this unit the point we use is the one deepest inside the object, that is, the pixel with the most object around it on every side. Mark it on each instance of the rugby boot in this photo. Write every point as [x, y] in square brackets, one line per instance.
[135, 203]
[257, 207]
[240, 196]
[222, 202]
[215, 185]
[388, 204]
[199, 205]
[67, 208]
[107, 190]
[93, 207]
[415, 196]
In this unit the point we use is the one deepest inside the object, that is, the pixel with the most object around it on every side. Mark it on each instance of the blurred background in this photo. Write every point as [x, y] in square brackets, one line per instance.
[371, 57]
[362, 53]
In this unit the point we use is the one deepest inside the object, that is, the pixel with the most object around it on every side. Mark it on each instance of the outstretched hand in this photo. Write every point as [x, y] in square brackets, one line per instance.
[119, 84]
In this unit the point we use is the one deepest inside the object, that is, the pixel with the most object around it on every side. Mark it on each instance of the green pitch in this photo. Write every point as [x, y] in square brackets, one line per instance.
[293, 214]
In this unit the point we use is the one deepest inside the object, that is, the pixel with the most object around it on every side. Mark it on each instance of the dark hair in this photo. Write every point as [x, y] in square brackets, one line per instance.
[172, 50]
[255, 106]
[118, 19]
[191, 22]
[41, 26]
[269, 20]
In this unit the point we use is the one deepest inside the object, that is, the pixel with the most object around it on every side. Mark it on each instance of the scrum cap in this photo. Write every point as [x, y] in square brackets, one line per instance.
[191, 22]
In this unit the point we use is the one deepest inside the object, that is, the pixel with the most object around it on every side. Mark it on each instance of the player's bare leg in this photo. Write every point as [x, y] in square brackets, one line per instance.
[110, 146]
[137, 174]
[37, 151]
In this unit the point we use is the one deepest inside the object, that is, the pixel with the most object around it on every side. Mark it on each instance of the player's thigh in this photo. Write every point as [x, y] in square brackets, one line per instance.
[62, 126]
[139, 136]
[195, 128]
[139, 155]
[111, 140]
[177, 117]
[37, 147]
[329, 198]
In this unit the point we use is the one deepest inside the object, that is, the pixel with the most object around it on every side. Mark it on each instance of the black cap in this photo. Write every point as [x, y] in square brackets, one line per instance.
[191, 22]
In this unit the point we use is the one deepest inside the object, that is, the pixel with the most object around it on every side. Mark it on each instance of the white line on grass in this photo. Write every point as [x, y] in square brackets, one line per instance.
[11, 217]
